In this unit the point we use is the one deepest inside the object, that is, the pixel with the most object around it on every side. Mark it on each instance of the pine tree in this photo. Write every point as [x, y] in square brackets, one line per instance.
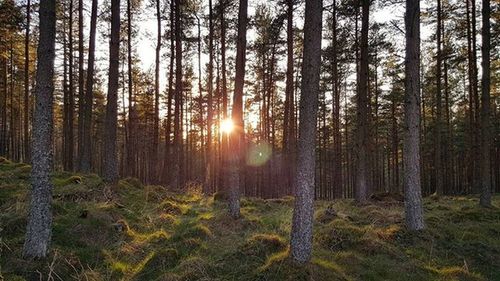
[302, 221]
[411, 157]
[39, 229]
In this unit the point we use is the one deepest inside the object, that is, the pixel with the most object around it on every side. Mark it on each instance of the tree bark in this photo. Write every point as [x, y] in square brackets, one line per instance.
[209, 156]
[411, 143]
[363, 122]
[81, 81]
[337, 137]
[131, 136]
[170, 96]
[485, 163]
[289, 118]
[69, 100]
[86, 159]
[156, 129]
[38, 232]
[176, 179]
[237, 136]
[302, 222]
[438, 149]
[110, 165]
[26, 150]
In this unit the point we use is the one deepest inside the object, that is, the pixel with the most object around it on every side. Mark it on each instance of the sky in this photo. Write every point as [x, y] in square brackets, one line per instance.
[145, 42]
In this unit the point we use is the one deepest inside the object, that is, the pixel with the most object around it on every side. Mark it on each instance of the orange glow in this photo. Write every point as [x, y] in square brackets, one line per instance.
[227, 126]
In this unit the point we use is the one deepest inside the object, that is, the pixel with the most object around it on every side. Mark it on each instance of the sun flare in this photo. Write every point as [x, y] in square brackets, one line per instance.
[227, 126]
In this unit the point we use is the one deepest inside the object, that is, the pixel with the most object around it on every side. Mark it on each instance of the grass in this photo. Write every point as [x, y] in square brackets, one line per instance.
[135, 232]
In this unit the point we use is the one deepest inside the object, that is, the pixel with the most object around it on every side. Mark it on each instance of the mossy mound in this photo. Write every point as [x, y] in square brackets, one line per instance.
[264, 244]
[130, 183]
[170, 207]
[340, 235]
[160, 261]
[198, 231]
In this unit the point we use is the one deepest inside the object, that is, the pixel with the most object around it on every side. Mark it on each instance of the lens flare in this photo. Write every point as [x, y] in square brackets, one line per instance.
[258, 154]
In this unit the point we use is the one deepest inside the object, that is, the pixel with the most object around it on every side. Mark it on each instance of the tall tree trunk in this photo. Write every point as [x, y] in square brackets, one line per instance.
[200, 102]
[86, 159]
[110, 165]
[471, 78]
[289, 121]
[170, 96]
[81, 89]
[69, 100]
[363, 116]
[237, 137]
[485, 163]
[223, 93]
[289, 79]
[64, 150]
[38, 232]
[475, 91]
[26, 150]
[71, 95]
[131, 135]
[337, 137]
[156, 128]
[177, 167]
[411, 142]
[438, 145]
[209, 156]
[302, 222]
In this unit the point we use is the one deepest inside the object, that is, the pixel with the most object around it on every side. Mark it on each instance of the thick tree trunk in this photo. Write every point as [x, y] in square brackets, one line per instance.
[485, 163]
[38, 232]
[411, 143]
[237, 137]
[302, 222]
[86, 158]
[110, 165]
[363, 122]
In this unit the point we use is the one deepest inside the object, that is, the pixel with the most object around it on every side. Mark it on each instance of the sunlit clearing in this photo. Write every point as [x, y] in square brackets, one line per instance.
[227, 126]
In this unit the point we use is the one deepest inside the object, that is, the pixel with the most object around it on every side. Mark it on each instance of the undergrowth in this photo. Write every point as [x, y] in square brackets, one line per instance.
[134, 232]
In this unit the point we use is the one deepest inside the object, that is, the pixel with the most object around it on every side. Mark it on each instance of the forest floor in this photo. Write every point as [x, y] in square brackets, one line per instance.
[136, 232]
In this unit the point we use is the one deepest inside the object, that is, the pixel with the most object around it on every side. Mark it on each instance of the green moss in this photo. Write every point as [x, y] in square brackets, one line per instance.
[130, 183]
[198, 231]
[194, 268]
[185, 236]
[60, 182]
[340, 235]
[156, 264]
[264, 244]
[170, 207]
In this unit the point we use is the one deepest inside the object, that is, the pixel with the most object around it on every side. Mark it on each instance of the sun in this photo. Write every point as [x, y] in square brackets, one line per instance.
[227, 126]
